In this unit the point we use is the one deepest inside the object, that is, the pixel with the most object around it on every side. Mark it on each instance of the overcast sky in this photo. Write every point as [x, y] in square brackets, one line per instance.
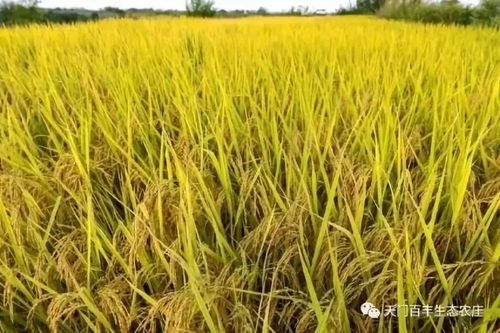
[273, 5]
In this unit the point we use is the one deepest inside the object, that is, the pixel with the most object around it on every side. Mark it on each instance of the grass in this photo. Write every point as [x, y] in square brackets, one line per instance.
[262, 174]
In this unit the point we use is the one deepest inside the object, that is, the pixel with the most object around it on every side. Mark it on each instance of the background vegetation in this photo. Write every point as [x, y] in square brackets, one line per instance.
[446, 12]
[263, 174]
[487, 13]
[200, 8]
[13, 13]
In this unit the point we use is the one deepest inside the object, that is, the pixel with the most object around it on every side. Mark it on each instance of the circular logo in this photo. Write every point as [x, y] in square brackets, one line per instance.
[374, 313]
[365, 307]
[368, 309]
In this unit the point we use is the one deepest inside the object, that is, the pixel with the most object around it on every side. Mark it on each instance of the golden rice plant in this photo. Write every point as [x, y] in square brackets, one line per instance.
[248, 175]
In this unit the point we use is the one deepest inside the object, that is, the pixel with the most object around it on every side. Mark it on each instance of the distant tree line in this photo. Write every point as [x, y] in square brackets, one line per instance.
[446, 11]
[206, 8]
[27, 12]
[487, 13]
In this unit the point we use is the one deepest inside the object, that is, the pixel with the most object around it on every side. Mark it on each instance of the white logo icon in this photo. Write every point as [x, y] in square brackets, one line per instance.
[368, 309]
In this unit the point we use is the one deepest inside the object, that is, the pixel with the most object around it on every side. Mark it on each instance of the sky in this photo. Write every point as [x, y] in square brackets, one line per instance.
[272, 5]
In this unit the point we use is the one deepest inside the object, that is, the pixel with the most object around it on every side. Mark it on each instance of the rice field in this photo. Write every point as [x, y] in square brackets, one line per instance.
[249, 175]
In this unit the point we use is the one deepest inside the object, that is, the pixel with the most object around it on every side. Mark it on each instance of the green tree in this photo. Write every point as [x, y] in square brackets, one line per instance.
[200, 8]
[262, 11]
[20, 13]
[369, 5]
